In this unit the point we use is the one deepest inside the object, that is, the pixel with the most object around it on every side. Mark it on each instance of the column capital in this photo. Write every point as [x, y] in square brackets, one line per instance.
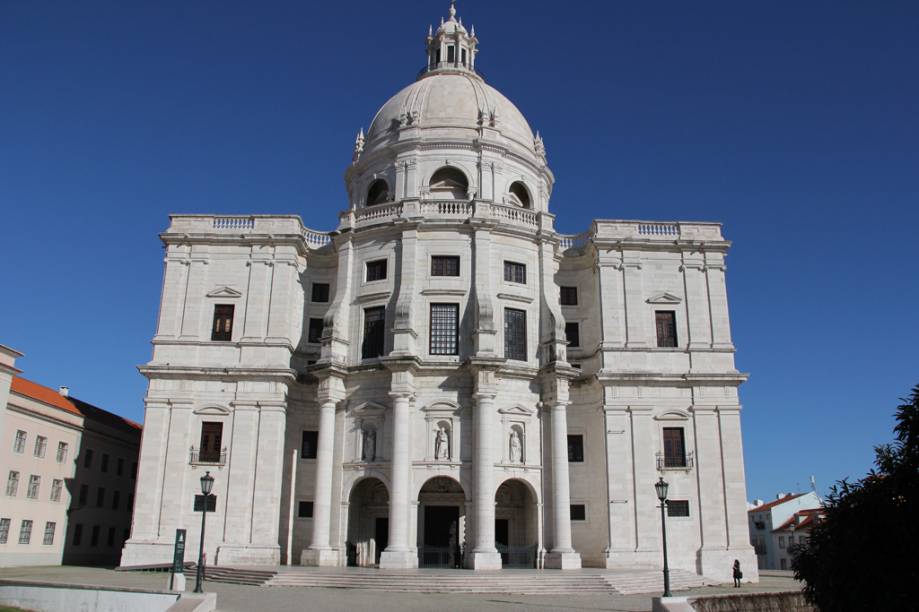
[408, 395]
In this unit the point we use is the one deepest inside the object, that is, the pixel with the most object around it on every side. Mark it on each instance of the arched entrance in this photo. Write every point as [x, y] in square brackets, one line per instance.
[516, 526]
[441, 523]
[368, 522]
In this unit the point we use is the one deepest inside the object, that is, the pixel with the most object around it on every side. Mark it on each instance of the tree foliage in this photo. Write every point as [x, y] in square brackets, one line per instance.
[863, 554]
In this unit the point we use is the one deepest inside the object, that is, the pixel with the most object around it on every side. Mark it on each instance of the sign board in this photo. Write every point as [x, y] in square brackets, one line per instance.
[211, 503]
[178, 555]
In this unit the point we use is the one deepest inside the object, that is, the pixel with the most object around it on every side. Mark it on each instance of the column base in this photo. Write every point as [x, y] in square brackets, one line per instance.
[484, 560]
[319, 557]
[241, 554]
[398, 559]
[562, 560]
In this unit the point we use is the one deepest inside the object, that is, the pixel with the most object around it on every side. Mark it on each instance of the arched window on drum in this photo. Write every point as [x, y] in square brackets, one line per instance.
[449, 183]
[519, 195]
[378, 193]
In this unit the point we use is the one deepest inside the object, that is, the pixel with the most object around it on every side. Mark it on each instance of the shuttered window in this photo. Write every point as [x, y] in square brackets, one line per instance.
[674, 447]
[222, 330]
[211, 438]
[666, 328]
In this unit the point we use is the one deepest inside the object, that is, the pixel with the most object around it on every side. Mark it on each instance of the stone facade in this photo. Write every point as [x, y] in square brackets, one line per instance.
[410, 388]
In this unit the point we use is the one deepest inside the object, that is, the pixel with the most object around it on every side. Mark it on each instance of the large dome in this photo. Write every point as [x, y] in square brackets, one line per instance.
[454, 100]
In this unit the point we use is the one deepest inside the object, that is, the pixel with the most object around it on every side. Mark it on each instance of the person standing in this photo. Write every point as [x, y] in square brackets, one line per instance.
[737, 573]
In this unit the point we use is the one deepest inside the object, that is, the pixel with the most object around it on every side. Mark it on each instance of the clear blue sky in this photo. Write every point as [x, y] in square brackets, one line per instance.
[794, 123]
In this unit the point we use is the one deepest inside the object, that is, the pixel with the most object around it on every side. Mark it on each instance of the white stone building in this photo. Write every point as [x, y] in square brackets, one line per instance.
[444, 379]
[772, 523]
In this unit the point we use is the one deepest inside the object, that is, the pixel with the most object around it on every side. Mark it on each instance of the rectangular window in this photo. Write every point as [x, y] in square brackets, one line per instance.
[445, 265]
[110, 540]
[62, 452]
[320, 293]
[309, 444]
[674, 447]
[783, 563]
[211, 503]
[677, 507]
[376, 270]
[222, 329]
[104, 466]
[305, 509]
[315, 331]
[88, 457]
[666, 328]
[12, 483]
[463, 56]
[100, 497]
[41, 445]
[77, 534]
[781, 541]
[515, 334]
[84, 494]
[4, 530]
[48, 539]
[57, 486]
[578, 512]
[116, 497]
[374, 330]
[575, 448]
[19, 443]
[444, 329]
[515, 272]
[94, 538]
[119, 467]
[25, 532]
[569, 296]
[211, 440]
[451, 54]
[34, 483]
[573, 334]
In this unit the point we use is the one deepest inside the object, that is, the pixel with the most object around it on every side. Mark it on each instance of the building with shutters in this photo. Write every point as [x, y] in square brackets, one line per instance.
[444, 379]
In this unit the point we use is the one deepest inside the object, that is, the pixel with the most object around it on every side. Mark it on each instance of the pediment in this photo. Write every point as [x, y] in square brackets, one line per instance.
[224, 292]
[443, 407]
[212, 411]
[665, 298]
[517, 411]
[368, 409]
[673, 414]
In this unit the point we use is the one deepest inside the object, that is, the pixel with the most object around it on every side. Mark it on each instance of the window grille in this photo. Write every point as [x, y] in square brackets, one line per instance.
[515, 272]
[515, 334]
[376, 270]
[374, 331]
[445, 265]
[25, 532]
[569, 296]
[677, 507]
[444, 329]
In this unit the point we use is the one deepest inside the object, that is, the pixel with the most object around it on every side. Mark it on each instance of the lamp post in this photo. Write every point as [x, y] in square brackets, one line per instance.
[661, 487]
[207, 483]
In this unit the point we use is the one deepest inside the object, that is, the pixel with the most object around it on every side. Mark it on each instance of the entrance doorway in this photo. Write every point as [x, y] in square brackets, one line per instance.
[441, 523]
[515, 524]
[381, 534]
[368, 522]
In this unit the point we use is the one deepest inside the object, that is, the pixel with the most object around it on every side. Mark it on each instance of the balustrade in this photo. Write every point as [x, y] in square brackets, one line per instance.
[234, 222]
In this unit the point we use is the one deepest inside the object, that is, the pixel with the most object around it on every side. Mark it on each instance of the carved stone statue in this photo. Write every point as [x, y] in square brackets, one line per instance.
[516, 454]
[442, 445]
[369, 450]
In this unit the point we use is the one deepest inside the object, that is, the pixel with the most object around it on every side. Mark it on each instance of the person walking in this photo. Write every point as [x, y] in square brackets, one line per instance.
[737, 573]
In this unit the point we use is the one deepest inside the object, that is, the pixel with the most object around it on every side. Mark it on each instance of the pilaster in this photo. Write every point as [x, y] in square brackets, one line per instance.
[196, 289]
[635, 312]
[718, 301]
[484, 555]
[562, 555]
[257, 297]
[697, 307]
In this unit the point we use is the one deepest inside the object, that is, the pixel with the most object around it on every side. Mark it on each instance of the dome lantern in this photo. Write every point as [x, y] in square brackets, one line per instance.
[451, 47]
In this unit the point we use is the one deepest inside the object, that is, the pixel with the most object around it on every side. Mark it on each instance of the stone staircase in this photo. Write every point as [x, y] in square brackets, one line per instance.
[232, 575]
[652, 581]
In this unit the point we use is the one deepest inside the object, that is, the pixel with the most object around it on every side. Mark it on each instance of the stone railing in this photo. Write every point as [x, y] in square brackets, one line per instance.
[316, 240]
[573, 241]
[377, 214]
[655, 231]
[515, 216]
[234, 223]
[446, 209]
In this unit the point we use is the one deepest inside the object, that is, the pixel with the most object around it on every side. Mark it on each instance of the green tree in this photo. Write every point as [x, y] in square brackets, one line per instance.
[864, 555]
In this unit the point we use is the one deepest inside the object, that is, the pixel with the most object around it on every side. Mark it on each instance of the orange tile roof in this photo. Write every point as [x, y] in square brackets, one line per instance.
[810, 516]
[43, 394]
[771, 504]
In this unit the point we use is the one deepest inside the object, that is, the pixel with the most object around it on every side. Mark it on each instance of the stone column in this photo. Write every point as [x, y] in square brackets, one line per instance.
[562, 555]
[195, 295]
[635, 307]
[620, 487]
[644, 475]
[697, 310]
[718, 305]
[398, 554]
[172, 302]
[320, 553]
[484, 554]
[257, 297]
[711, 484]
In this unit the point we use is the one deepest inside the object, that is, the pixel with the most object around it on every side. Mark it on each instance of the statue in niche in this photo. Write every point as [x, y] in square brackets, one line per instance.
[441, 445]
[516, 454]
[369, 450]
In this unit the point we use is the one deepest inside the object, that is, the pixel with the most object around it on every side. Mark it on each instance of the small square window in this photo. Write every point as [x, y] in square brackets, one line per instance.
[666, 328]
[575, 448]
[578, 512]
[309, 444]
[569, 296]
[445, 265]
[222, 329]
[376, 270]
[515, 272]
[573, 334]
[678, 508]
[315, 331]
[320, 293]
[305, 509]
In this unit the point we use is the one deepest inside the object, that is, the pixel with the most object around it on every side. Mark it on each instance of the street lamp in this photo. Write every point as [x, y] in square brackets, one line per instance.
[661, 487]
[207, 483]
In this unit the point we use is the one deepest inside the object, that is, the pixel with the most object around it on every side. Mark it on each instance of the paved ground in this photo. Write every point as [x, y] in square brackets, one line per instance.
[236, 598]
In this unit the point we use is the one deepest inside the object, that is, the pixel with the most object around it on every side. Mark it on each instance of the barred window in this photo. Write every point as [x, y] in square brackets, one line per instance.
[19, 445]
[34, 484]
[515, 272]
[320, 293]
[56, 486]
[4, 530]
[12, 483]
[25, 532]
[222, 329]
[569, 296]
[573, 334]
[61, 452]
[515, 334]
[315, 331]
[48, 540]
[677, 507]
[41, 444]
[374, 331]
[444, 329]
[376, 270]
[666, 328]
[445, 265]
